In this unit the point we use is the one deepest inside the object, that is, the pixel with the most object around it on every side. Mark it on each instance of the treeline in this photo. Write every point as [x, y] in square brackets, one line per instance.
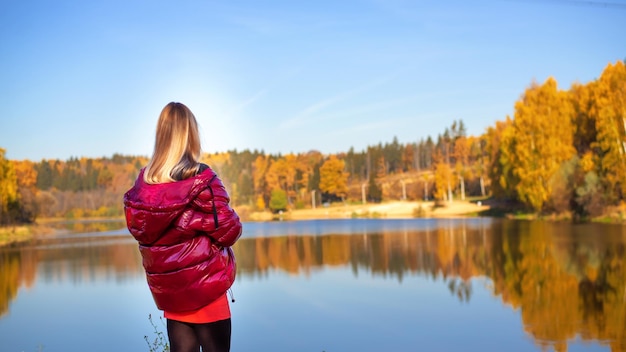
[563, 151]
[73, 188]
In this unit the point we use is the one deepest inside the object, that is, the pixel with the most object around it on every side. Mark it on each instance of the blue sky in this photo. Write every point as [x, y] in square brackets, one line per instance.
[89, 78]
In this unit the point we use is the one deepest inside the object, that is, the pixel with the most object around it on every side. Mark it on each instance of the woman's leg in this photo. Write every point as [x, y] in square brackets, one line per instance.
[214, 337]
[182, 336]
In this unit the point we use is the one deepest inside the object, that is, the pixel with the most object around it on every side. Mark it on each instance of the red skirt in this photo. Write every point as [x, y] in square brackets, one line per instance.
[214, 311]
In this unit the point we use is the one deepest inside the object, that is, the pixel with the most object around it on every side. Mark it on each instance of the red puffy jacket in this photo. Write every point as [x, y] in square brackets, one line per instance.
[185, 230]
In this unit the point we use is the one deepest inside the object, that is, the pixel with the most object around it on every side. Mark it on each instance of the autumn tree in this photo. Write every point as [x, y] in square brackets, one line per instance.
[499, 164]
[609, 111]
[278, 175]
[8, 189]
[586, 195]
[333, 177]
[443, 174]
[585, 133]
[541, 140]
[26, 176]
[308, 174]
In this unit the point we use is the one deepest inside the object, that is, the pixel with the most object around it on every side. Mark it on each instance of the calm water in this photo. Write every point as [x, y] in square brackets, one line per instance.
[340, 285]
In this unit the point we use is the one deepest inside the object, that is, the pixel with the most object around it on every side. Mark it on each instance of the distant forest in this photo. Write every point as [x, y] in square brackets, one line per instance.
[563, 151]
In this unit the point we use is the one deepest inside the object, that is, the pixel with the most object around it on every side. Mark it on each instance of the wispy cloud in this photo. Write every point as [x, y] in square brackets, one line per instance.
[312, 113]
[378, 125]
[366, 109]
[278, 80]
[256, 96]
[321, 111]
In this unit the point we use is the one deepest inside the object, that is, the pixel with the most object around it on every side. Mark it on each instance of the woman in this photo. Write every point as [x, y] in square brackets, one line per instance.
[178, 210]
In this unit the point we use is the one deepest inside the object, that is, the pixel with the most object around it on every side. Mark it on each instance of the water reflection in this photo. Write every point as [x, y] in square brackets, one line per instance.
[453, 249]
[75, 259]
[568, 282]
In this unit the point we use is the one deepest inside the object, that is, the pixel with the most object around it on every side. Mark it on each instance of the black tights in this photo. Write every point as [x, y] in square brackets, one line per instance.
[188, 337]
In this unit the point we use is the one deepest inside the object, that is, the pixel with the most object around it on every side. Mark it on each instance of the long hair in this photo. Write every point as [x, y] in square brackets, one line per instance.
[176, 148]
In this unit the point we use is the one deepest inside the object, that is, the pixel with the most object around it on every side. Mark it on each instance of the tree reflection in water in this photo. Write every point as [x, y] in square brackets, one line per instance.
[75, 258]
[567, 280]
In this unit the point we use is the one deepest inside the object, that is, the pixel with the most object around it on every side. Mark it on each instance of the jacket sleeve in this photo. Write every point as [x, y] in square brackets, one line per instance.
[217, 219]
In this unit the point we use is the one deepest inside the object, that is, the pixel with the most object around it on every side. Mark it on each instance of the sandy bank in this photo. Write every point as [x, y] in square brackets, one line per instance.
[388, 210]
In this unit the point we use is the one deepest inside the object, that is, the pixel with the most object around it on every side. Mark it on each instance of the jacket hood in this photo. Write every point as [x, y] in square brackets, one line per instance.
[162, 202]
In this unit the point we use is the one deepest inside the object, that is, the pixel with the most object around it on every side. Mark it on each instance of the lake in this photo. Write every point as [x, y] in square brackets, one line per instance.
[473, 284]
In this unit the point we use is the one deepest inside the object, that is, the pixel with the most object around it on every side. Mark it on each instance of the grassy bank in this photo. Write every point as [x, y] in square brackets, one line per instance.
[49, 226]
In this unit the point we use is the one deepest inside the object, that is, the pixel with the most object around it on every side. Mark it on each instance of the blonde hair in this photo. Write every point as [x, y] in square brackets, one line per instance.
[176, 147]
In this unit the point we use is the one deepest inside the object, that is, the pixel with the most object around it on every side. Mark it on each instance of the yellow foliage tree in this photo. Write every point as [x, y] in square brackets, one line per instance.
[260, 203]
[25, 173]
[502, 167]
[277, 174]
[541, 140]
[259, 169]
[609, 113]
[8, 186]
[306, 165]
[333, 177]
[443, 177]
[584, 123]
[292, 166]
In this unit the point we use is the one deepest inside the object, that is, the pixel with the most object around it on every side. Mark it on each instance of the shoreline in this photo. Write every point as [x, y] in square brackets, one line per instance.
[385, 210]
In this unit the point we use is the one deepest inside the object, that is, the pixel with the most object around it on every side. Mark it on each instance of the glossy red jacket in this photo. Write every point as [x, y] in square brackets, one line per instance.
[185, 231]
